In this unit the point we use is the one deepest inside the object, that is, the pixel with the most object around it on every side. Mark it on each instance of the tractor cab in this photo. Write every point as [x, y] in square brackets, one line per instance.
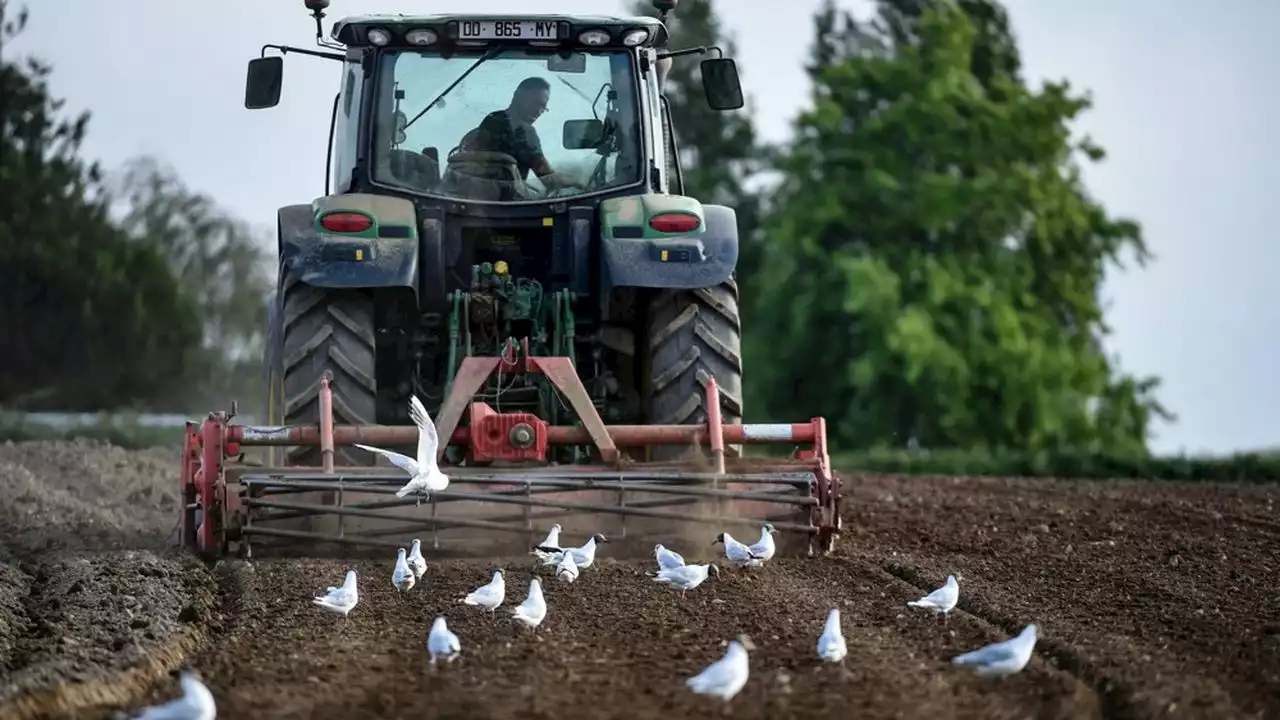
[499, 109]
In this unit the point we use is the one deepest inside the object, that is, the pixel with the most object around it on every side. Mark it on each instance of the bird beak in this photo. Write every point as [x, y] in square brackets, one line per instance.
[746, 642]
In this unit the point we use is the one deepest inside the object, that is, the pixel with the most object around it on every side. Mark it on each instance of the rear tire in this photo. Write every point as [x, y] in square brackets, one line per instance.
[693, 335]
[327, 330]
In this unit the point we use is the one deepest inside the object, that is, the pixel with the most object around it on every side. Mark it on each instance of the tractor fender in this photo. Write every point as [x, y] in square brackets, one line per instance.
[384, 256]
[700, 260]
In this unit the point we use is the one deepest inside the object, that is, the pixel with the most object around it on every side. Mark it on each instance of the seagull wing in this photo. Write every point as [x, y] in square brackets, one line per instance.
[993, 653]
[404, 462]
[428, 439]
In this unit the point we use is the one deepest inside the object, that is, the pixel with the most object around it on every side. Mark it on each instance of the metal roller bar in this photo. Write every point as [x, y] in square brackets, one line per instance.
[584, 507]
[399, 502]
[622, 435]
[311, 510]
[570, 485]
[596, 480]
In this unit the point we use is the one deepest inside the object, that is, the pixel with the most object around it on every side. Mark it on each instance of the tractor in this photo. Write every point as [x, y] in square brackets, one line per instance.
[504, 235]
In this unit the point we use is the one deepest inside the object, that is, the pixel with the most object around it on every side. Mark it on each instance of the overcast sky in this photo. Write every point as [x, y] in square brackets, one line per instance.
[1184, 93]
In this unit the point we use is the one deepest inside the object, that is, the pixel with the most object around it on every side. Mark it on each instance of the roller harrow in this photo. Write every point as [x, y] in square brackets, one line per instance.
[503, 487]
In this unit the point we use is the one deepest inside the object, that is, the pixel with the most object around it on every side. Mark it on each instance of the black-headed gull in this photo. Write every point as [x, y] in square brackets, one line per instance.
[402, 577]
[583, 556]
[441, 642]
[424, 473]
[417, 563]
[764, 548]
[943, 600]
[726, 676]
[567, 570]
[737, 553]
[549, 546]
[686, 577]
[340, 600]
[196, 702]
[1003, 658]
[831, 644]
[533, 610]
[490, 595]
[667, 559]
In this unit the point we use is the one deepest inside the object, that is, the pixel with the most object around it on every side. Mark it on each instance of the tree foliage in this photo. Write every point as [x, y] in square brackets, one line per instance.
[221, 264]
[91, 318]
[935, 262]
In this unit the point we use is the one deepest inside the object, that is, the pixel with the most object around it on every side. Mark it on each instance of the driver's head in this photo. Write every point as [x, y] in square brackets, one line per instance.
[530, 98]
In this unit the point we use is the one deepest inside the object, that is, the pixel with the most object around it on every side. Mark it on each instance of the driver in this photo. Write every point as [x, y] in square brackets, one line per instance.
[510, 131]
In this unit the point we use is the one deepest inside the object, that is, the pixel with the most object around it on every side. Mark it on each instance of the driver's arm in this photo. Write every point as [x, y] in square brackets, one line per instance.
[529, 152]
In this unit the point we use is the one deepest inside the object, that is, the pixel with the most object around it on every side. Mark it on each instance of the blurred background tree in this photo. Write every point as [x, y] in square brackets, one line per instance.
[934, 256]
[91, 318]
[223, 266]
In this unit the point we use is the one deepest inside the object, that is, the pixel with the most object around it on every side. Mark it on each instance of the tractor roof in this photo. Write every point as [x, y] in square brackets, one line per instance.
[350, 30]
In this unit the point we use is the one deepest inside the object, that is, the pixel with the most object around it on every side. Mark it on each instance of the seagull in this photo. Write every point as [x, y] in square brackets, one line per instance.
[736, 552]
[488, 596]
[583, 556]
[1003, 658]
[567, 570]
[764, 548]
[831, 645]
[402, 577]
[442, 643]
[667, 559]
[533, 610]
[340, 600]
[726, 676]
[686, 577]
[550, 545]
[942, 600]
[424, 474]
[417, 563]
[196, 702]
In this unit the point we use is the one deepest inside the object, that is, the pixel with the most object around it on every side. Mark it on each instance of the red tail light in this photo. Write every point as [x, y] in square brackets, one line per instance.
[674, 222]
[346, 222]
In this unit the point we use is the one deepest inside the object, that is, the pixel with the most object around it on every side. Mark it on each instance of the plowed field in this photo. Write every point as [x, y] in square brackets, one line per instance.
[1153, 600]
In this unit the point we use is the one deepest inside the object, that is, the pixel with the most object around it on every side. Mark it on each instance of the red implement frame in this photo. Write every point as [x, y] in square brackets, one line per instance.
[227, 504]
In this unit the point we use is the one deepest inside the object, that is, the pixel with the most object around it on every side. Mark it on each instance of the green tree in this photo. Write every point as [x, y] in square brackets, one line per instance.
[91, 320]
[936, 261]
[221, 263]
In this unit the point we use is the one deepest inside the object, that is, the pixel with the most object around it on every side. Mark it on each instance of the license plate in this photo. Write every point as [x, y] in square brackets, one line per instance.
[508, 30]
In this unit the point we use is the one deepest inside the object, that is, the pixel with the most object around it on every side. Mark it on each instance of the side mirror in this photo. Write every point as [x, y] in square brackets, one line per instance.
[582, 134]
[262, 86]
[570, 63]
[664, 6]
[721, 84]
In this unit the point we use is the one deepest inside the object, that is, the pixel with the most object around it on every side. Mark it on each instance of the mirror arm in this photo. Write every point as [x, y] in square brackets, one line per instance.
[700, 50]
[286, 49]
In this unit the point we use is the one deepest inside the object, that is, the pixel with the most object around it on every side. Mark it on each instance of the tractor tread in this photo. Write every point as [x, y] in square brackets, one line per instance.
[694, 335]
[327, 330]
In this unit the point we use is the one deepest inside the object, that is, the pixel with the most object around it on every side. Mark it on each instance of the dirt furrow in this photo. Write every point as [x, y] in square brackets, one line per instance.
[1154, 599]
[1113, 700]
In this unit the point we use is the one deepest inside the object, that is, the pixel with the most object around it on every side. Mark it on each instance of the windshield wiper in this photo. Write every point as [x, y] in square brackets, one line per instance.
[489, 55]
